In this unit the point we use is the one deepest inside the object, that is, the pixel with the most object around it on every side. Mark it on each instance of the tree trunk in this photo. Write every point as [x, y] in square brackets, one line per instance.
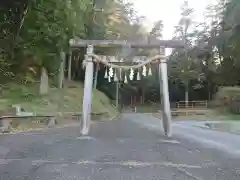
[209, 91]
[117, 95]
[70, 66]
[61, 70]
[143, 94]
[44, 82]
[186, 96]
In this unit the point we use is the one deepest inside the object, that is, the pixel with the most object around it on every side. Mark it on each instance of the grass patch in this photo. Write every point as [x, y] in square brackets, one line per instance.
[57, 100]
[232, 117]
[223, 114]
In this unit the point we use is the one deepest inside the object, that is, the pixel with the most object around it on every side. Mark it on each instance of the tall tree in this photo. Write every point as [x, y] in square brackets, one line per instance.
[182, 63]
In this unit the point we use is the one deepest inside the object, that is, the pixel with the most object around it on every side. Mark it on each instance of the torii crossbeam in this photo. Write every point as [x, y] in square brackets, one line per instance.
[76, 43]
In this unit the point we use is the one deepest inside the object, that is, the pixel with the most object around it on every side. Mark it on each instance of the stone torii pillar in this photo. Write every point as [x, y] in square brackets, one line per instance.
[164, 94]
[87, 100]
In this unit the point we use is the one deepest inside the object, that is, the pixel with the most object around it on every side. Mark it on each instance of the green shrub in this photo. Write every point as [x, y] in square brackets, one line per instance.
[228, 99]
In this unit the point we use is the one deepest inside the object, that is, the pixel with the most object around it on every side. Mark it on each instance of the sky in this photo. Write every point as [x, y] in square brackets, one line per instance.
[168, 11]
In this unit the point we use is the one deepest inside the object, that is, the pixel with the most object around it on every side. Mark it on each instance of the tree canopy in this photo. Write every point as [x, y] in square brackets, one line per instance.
[33, 33]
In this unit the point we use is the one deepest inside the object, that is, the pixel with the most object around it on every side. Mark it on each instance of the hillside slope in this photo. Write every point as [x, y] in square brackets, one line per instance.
[66, 100]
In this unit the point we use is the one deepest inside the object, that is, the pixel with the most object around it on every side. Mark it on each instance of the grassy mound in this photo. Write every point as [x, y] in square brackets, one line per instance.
[66, 100]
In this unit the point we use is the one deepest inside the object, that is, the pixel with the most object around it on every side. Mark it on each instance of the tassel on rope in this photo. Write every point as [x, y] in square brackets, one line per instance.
[138, 75]
[106, 73]
[144, 71]
[131, 75]
[115, 76]
[109, 78]
[150, 71]
[125, 79]
[111, 72]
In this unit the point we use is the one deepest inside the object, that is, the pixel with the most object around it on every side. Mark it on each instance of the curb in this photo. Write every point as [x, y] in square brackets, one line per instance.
[214, 129]
[39, 129]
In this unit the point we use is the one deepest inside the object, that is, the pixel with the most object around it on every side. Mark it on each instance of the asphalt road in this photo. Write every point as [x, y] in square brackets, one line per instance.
[221, 141]
[114, 150]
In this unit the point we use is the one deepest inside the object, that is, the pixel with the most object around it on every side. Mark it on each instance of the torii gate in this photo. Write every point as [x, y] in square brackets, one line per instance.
[91, 58]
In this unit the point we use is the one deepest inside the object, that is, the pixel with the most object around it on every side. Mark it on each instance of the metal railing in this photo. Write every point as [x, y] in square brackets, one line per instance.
[191, 104]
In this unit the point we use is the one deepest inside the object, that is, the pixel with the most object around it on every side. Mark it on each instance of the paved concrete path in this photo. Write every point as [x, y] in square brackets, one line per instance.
[221, 141]
[117, 150]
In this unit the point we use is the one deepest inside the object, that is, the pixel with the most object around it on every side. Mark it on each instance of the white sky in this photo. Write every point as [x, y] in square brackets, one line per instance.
[168, 11]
